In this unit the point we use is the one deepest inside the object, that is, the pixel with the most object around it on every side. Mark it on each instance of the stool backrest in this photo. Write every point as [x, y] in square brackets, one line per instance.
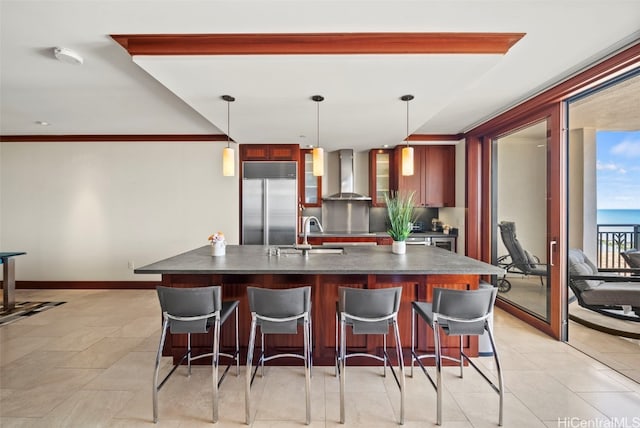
[463, 311]
[369, 303]
[189, 302]
[279, 303]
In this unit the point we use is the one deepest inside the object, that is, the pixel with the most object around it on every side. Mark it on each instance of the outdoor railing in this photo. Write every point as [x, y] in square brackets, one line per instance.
[614, 238]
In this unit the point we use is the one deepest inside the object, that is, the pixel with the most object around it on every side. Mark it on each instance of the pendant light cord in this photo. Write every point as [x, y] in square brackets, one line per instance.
[406, 99]
[407, 137]
[318, 124]
[229, 99]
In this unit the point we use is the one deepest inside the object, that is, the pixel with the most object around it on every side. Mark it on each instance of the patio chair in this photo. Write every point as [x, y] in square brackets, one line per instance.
[604, 292]
[632, 257]
[519, 260]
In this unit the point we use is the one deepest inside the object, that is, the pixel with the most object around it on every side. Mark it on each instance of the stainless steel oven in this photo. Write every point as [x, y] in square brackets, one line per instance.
[448, 242]
[418, 240]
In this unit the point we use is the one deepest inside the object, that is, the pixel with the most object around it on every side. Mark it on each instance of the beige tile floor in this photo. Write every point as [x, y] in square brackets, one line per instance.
[89, 362]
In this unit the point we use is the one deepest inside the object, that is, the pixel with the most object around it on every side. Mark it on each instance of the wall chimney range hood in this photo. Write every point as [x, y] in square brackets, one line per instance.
[347, 179]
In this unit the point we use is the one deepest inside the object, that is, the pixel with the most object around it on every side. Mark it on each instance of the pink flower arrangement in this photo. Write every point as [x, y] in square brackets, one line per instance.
[216, 237]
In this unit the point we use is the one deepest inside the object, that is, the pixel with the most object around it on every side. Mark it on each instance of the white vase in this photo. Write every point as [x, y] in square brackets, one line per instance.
[218, 248]
[399, 247]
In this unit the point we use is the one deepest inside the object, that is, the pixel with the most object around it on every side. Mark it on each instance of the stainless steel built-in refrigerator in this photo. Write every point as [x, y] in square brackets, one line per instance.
[269, 203]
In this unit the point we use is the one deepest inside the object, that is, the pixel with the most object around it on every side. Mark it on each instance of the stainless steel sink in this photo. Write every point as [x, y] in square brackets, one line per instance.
[326, 251]
[312, 250]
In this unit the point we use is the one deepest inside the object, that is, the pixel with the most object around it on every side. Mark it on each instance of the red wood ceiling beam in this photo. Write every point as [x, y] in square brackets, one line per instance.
[317, 43]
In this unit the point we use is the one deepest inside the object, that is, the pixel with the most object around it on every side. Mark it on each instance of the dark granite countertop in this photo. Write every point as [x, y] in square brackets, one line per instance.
[254, 259]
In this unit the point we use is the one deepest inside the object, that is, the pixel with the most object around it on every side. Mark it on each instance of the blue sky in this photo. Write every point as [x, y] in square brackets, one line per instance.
[618, 169]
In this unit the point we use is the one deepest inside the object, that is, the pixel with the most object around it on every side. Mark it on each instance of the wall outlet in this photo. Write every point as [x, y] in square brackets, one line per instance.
[131, 265]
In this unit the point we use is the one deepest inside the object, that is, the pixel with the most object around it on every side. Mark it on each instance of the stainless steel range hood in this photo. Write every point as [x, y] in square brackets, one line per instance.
[347, 179]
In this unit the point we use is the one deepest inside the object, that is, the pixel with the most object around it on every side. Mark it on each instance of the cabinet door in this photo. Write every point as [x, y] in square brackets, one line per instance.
[440, 176]
[254, 152]
[310, 186]
[283, 151]
[269, 152]
[434, 175]
[381, 177]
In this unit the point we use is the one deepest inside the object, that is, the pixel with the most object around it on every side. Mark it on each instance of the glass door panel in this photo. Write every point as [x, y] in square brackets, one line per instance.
[520, 218]
[383, 175]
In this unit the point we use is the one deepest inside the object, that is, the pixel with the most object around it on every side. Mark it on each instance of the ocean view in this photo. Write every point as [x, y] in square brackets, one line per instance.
[619, 216]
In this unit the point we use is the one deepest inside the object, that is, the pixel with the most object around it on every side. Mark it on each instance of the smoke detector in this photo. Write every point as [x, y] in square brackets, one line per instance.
[68, 56]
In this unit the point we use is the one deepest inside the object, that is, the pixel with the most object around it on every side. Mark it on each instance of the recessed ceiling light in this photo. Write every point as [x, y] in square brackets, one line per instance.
[42, 123]
[68, 56]
[385, 146]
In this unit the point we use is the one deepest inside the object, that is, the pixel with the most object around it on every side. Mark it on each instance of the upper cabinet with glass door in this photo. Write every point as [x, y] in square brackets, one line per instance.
[310, 189]
[380, 175]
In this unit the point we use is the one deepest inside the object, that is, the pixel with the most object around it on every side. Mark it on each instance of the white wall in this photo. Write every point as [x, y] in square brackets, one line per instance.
[583, 204]
[522, 191]
[82, 211]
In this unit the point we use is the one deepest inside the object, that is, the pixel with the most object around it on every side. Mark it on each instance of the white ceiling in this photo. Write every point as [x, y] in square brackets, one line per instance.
[113, 93]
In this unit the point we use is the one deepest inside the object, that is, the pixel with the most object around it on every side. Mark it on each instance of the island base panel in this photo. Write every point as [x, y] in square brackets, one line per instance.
[324, 295]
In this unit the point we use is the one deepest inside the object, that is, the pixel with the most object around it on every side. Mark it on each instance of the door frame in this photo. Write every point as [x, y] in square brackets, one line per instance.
[550, 104]
[555, 220]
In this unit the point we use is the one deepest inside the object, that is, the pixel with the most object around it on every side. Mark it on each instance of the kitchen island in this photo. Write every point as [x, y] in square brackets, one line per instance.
[418, 271]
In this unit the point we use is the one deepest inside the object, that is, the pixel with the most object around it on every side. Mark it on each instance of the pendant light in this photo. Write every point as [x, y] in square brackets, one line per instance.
[407, 152]
[318, 152]
[228, 156]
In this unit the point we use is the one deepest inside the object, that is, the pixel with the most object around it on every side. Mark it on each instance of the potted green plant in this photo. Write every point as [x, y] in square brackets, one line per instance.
[401, 217]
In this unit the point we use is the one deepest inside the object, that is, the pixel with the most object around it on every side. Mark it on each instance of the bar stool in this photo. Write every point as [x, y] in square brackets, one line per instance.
[195, 310]
[279, 312]
[456, 313]
[369, 311]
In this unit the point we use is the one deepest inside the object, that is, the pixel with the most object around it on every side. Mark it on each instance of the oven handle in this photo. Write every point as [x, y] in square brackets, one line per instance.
[424, 242]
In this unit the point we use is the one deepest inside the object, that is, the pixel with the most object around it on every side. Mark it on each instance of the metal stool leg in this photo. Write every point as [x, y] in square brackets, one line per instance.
[307, 366]
[189, 354]
[237, 345]
[401, 364]
[156, 370]
[436, 331]
[341, 371]
[500, 379]
[214, 367]
[261, 353]
[247, 391]
[384, 355]
[461, 359]
[413, 338]
[337, 356]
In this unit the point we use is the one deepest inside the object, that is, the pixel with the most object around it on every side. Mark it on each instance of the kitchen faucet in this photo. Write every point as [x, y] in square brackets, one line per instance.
[305, 242]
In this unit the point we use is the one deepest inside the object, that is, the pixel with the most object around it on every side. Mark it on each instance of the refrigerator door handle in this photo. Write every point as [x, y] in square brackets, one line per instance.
[265, 206]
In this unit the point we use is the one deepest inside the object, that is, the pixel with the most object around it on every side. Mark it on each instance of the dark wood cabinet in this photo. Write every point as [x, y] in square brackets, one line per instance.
[269, 152]
[310, 186]
[381, 175]
[434, 177]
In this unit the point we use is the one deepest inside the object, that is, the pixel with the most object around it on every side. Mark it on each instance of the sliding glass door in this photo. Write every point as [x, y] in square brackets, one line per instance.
[520, 218]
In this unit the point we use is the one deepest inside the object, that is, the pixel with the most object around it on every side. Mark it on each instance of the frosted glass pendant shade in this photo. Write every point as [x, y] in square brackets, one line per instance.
[228, 162]
[407, 161]
[318, 161]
